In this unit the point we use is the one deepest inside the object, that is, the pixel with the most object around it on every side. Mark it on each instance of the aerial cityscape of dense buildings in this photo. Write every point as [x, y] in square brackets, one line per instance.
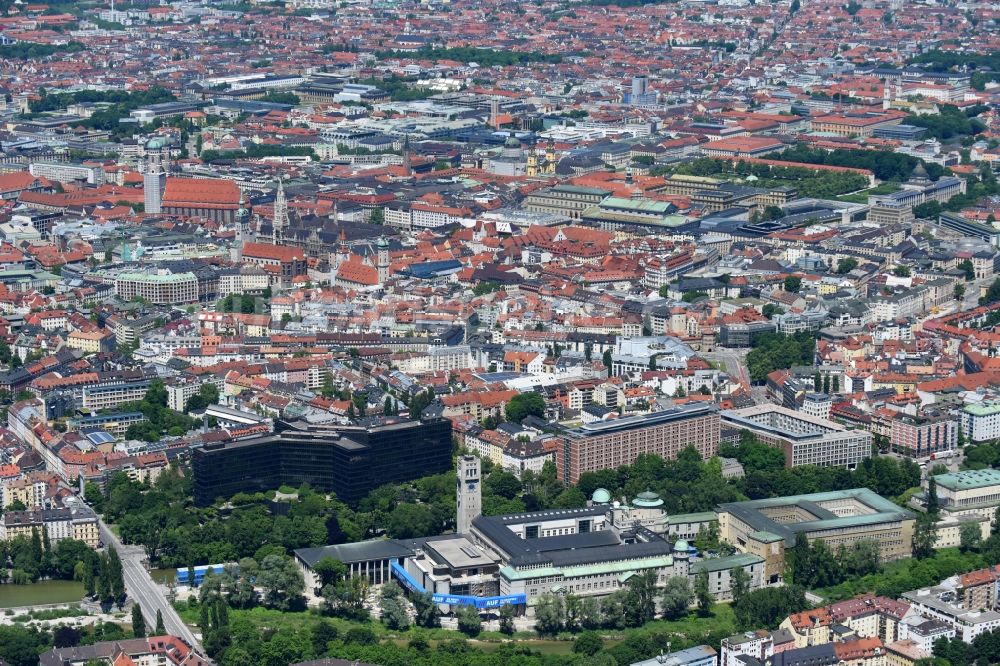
[594, 332]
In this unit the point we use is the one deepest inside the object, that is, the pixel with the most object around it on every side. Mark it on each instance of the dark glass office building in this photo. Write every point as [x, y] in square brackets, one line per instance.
[350, 461]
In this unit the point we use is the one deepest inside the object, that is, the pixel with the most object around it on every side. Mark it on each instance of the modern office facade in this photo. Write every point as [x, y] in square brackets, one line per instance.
[610, 444]
[350, 461]
[162, 288]
[805, 439]
[66, 172]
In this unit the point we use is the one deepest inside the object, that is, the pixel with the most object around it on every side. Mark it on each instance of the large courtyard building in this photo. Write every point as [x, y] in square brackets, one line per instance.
[768, 527]
[611, 444]
[805, 439]
[349, 461]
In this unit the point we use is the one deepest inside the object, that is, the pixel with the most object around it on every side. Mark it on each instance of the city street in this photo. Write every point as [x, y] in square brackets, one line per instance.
[733, 362]
[141, 588]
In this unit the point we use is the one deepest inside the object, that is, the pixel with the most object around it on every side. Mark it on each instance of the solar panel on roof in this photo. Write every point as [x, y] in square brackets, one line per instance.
[100, 437]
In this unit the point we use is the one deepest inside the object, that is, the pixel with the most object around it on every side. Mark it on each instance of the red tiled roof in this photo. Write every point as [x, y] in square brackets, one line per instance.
[277, 252]
[358, 272]
[201, 191]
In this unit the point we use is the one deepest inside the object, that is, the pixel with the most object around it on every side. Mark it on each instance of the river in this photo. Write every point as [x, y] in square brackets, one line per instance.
[42, 592]
[160, 576]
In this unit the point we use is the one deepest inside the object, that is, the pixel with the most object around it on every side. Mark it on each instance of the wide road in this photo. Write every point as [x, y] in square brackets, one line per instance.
[141, 588]
[733, 361]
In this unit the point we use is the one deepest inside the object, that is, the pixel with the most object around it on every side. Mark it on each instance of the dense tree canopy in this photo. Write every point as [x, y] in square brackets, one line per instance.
[777, 351]
[950, 122]
[885, 164]
[524, 405]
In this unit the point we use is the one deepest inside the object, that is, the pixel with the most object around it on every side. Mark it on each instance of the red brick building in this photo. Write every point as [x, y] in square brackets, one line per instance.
[216, 200]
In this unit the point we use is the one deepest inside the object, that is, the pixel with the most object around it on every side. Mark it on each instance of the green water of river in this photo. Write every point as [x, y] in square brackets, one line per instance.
[42, 592]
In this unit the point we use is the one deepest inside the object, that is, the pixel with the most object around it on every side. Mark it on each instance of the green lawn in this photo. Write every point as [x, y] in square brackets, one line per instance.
[862, 196]
[905, 497]
[722, 619]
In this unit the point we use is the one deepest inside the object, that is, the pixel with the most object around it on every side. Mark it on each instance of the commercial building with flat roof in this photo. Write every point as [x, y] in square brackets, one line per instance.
[67, 172]
[350, 461]
[955, 222]
[594, 551]
[620, 214]
[610, 444]
[700, 655]
[768, 527]
[160, 288]
[805, 439]
[972, 492]
[370, 559]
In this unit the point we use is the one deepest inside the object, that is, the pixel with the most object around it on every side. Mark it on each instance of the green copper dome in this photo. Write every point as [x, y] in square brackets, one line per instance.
[601, 496]
[681, 546]
[647, 500]
[156, 143]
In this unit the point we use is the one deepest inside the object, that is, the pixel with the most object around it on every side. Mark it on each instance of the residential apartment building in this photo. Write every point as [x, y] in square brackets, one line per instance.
[942, 602]
[155, 650]
[243, 280]
[477, 405]
[78, 523]
[435, 359]
[920, 436]
[867, 616]
[91, 342]
[981, 421]
[32, 491]
[757, 645]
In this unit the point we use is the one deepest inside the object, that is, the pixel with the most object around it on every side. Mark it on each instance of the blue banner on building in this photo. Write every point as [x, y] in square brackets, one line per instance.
[410, 583]
[199, 573]
[405, 579]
